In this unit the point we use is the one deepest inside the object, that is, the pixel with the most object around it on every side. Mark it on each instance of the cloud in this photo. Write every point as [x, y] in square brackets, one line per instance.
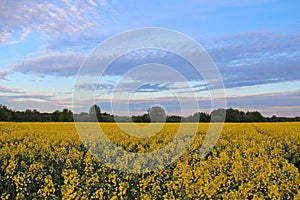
[3, 74]
[4, 35]
[58, 64]
[99, 86]
[9, 90]
[240, 47]
[151, 88]
[233, 3]
[257, 58]
[280, 104]
[285, 111]
[17, 103]
[268, 99]
[41, 102]
[19, 18]
[245, 59]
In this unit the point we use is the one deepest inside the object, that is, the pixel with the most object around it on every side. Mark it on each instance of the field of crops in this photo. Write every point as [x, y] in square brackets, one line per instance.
[249, 161]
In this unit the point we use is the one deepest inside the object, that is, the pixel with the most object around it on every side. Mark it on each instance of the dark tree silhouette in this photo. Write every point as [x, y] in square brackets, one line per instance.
[233, 115]
[5, 113]
[218, 115]
[157, 114]
[95, 110]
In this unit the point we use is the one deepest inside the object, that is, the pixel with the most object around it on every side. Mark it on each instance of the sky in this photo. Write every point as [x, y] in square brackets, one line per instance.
[255, 46]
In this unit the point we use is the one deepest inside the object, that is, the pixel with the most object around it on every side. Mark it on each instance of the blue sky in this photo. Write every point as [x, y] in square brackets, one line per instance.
[255, 45]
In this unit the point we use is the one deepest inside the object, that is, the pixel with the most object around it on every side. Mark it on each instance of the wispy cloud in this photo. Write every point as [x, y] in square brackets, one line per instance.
[58, 64]
[280, 103]
[257, 58]
[288, 102]
[19, 18]
[9, 90]
[3, 74]
[268, 99]
[244, 60]
[43, 102]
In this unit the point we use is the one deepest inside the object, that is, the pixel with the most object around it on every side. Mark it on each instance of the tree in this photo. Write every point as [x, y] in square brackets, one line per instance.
[233, 115]
[218, 115]
[157, 114]
[65, 116]
[146, 118]
[55, 116]
[5, 113]
[95, 110]
[82, 117]
[173, 118]
[204, 117]
[137, 119]
[32, 115]
[255, 116]
[106, 117]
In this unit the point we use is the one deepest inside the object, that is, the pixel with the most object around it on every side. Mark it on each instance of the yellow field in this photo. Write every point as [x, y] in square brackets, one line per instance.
[48, 160]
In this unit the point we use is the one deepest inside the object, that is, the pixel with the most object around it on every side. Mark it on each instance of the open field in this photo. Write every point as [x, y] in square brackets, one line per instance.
[250, 160]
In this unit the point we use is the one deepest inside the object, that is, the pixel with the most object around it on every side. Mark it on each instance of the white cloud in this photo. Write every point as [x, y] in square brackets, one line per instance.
[19, 18]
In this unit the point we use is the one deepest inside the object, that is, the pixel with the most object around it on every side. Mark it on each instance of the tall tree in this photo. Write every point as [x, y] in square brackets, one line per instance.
[65, 116]
[157, 114]
[218, 115]
[255, 116]
[5, 113]
[233, 115]
[95, 111]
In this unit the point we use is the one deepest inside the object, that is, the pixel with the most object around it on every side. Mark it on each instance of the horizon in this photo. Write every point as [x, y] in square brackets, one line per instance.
[145, 112]
[254, 44]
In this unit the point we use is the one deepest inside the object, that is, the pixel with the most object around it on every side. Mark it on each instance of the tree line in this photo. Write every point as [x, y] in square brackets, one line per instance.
[154, 114]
